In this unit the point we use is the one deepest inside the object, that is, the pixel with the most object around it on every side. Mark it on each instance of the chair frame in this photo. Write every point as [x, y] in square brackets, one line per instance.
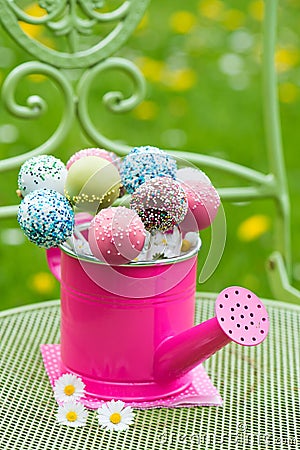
[61, 19]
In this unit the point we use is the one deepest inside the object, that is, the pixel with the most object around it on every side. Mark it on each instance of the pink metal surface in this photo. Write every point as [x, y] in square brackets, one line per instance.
[179, 354]
[109, 338]
[242, 316]
[128, 330]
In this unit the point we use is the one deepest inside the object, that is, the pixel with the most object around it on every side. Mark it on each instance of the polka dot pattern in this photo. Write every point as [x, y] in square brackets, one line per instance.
[201, 391]
[242, 316]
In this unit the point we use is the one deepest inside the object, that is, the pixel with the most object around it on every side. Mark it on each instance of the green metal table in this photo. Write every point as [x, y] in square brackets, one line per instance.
[260, 387]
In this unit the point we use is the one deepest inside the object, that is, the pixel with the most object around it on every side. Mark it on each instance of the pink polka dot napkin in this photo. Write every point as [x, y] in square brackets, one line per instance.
[201, 391]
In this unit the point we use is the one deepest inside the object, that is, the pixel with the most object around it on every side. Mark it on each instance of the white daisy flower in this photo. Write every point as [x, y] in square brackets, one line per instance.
[190, 241]
[113, 416]
[68, 387]
[72, 414]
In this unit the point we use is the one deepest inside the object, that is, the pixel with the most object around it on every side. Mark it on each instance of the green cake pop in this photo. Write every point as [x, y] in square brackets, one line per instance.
[92, 183]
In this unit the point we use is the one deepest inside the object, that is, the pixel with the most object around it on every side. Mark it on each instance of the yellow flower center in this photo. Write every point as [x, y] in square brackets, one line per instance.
[115, 418]
[69, 389]
[186, 245]
[71, 416]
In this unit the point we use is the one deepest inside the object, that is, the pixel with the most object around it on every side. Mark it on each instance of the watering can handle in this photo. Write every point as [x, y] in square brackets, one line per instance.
[53, 259]
[53, 254]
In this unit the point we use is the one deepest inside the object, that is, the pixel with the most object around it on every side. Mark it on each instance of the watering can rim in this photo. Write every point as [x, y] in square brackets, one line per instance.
[187, 255]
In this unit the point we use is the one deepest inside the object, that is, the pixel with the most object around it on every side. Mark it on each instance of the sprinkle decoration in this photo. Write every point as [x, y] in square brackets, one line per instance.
[161, 203]
[92, 183]
[204, 202]
[46, 218]
[41, 172]
[145, 163]
[100, 152]
[187, 174]
[116, 235]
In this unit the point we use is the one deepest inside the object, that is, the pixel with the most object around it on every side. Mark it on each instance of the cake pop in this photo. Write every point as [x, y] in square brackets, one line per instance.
[145, 163]
[92, 183]
[46, 218]
[116, 235]
[192, 174]
[39, 172]
[161, 203]
[203, 202]
[100, 152]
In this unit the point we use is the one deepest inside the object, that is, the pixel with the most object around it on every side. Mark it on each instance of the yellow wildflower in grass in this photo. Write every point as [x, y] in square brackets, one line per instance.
[42, 282]
[143, 23]
[286, 58]
[233, 19]
[211, 9]
[151, 68]
[35, 11]
[182, 22]
[180, 79]
[256, 9]
[288, 92]
[253, 227]
[37, 78]
[147, 110]
[251, 281]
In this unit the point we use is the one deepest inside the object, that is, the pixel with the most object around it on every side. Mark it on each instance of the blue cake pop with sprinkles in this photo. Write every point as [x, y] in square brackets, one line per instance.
[145, 163]
[46, 218]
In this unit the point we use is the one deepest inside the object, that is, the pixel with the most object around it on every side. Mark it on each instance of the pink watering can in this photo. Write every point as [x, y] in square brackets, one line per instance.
[128, 331]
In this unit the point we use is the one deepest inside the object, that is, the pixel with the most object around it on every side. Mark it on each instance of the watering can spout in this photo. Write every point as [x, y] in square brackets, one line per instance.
[240, 316]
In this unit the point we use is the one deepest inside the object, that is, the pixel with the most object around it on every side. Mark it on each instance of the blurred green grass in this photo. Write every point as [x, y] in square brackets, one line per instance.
[202, 63]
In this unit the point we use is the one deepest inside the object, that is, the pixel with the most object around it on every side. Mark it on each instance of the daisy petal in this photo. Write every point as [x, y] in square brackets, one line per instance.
[68, 387]
[72, 414]
[121, 427]
[114, 415]
[104, 409]
[119, 405]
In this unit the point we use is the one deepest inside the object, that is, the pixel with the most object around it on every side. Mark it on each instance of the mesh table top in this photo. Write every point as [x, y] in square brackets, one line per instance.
[260, 387]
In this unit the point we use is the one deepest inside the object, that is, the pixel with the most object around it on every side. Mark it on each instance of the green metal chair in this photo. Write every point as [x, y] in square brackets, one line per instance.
[62, 19]
[157, 428]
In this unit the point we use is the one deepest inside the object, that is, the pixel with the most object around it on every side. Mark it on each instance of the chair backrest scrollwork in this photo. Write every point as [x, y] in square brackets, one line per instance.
[88, 34]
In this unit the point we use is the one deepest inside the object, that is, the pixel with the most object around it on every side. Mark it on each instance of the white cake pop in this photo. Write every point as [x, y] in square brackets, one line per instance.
[42, 172]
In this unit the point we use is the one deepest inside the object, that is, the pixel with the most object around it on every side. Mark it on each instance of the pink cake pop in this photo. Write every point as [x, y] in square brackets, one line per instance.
[192, 174]
[116, 235]
[203, 201]
[109, 156]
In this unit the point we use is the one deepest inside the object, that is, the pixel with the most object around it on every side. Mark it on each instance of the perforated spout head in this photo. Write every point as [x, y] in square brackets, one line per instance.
[242, 316]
